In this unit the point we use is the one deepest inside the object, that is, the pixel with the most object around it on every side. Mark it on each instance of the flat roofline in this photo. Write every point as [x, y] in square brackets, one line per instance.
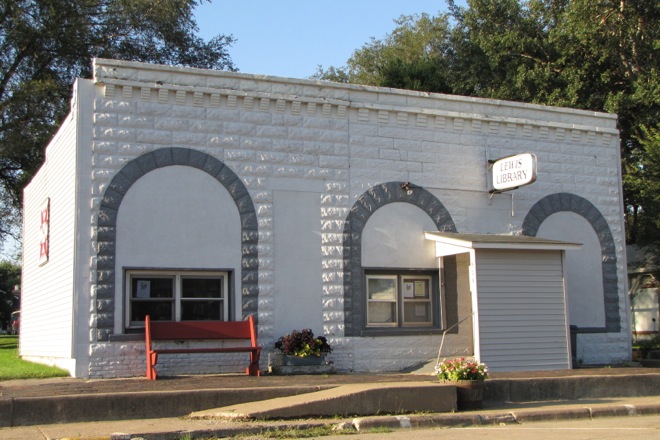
[114, 66]
[498, 241]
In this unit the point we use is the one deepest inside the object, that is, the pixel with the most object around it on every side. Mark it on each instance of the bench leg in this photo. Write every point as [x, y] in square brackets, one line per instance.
[152, 360]
[253, 368]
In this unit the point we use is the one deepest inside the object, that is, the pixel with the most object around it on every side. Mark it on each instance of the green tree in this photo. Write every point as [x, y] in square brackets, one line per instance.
[46, 44]
[503, 50]
[10, 276]
[600, 55]
[411, 57]
[643, 183]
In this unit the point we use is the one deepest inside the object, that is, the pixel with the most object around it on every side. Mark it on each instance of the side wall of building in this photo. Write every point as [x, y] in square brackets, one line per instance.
[49, 212]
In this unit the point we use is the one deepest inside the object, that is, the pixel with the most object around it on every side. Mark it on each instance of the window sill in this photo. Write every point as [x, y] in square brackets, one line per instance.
[127, 337]
[399, 331]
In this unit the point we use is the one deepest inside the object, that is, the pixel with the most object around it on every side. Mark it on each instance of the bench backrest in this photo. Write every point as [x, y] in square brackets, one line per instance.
[184, 330]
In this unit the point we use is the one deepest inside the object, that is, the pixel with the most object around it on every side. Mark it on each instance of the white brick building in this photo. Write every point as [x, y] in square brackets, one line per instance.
[306, 204]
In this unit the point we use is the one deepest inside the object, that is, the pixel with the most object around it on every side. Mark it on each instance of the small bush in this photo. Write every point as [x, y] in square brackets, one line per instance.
[461, 369]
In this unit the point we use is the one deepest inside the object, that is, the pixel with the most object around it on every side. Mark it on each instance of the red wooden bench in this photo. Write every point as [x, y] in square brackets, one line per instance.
[196, 330]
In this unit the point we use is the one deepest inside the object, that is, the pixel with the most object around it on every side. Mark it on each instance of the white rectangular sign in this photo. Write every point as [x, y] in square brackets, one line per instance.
[512, 172]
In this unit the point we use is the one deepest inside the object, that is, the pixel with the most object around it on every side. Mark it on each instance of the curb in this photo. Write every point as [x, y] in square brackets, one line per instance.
[509, 417]
[211, 432]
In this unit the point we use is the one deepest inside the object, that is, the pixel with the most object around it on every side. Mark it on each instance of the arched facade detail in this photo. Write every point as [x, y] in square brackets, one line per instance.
[104, 295]
[566, 202]
[368, 203]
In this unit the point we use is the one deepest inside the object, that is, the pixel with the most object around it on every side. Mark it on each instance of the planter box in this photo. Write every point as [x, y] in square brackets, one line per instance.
[653, 354]
[469, 393]
[297, 361]
[652, 359]
[280, 364]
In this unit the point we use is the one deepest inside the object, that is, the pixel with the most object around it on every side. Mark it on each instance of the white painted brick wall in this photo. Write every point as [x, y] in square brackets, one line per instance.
[349, 138]
[128, 360]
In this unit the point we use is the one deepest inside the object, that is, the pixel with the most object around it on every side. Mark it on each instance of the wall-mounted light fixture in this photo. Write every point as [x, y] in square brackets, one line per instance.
[408, 187]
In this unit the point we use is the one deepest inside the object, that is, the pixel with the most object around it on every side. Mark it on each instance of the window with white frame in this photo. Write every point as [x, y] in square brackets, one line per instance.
[400, 300]
[176, 296]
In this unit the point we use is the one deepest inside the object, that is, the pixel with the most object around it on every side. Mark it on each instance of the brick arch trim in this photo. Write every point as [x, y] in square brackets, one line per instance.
[566, 202]
[373, 199]
[104, 294]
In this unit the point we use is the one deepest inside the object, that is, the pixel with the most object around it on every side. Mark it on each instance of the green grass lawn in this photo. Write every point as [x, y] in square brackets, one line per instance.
[12, 367]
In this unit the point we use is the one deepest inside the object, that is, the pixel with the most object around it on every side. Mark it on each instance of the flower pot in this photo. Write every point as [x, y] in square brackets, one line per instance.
[469, 393]
[297, 361]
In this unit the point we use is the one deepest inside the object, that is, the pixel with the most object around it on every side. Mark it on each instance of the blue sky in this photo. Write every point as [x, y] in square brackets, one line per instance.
[291, 38]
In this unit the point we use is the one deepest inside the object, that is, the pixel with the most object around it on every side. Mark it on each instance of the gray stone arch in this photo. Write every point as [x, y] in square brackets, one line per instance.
[104, 306]
[374, 198]
[566, 202]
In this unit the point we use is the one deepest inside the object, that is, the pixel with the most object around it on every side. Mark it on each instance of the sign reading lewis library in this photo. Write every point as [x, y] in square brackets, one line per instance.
[512, 172]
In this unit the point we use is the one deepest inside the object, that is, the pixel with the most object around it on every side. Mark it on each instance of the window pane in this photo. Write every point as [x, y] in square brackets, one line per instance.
[152, 287]
[201, 287]
[157, 310]
[398, 300]
[381, 312]
[416, 300]
[169, 295]
[417, 312]
[201, 310]
[382, 288]
[417, 288]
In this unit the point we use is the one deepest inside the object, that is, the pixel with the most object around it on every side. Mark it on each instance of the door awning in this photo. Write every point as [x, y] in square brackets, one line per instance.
[452, 243]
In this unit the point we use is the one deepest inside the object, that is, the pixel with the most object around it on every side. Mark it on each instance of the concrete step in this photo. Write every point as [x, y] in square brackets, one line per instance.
[33, 402]
[345, 400]
[25, 411]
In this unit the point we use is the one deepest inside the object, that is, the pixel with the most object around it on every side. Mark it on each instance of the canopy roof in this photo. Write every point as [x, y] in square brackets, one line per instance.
[451, 243]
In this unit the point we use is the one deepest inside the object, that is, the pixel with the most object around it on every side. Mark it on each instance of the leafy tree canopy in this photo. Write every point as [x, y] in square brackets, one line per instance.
[600, 55]
[10, 276]
[46, 44]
